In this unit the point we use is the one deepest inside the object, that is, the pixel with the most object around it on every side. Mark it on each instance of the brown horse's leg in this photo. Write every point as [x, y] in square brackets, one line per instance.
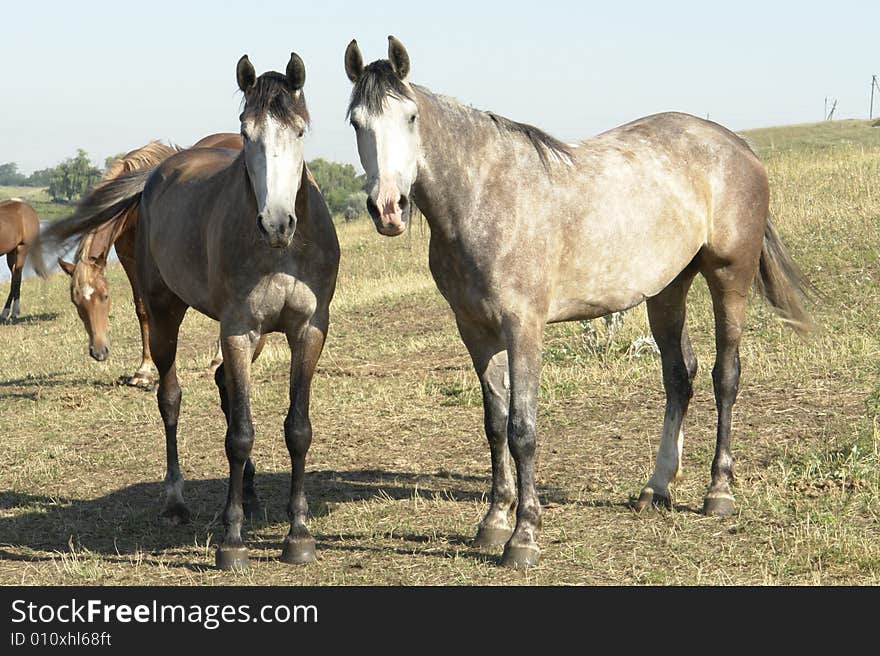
[490, 362]
[237, 352]
[12, 259]
[666, 314]
[729, 292]
[165, 327]
[305, 349]
[524, 363]
[217, 360]
[143, 377]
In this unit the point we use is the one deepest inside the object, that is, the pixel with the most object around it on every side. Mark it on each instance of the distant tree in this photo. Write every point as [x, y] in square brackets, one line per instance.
[40, 178]
[73, 177]
[338, 182]
[10, 175]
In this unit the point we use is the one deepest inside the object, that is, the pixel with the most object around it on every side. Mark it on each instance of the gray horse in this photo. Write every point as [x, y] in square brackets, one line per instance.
[526, 230]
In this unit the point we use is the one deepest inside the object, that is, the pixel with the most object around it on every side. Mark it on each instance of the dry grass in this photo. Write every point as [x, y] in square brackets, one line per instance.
[399, 466]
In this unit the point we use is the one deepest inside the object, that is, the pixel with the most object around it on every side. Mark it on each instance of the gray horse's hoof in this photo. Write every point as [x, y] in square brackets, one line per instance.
[720, 505]
[491, 536]
[648, 498]
[175, 514]
[234, 558]
[520, 557]
[298, 551]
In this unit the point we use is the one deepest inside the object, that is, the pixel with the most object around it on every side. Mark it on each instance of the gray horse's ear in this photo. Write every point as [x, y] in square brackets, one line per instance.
[398, 58]
[354, 62]
[296, 72]
[245, 74]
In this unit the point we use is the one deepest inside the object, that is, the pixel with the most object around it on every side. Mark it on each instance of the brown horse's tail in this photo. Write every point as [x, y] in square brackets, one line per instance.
[782, 283]
[101, 205]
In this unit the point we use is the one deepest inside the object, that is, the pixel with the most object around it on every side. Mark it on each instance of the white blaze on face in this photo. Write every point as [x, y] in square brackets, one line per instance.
[87, 292]
[389, 146]
[273, 154]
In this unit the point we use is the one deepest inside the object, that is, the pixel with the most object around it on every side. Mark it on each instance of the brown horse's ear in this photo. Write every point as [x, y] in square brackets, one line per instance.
[67, 267]
[398, 57]
[245, 73]
[354, 62]
[296, 72]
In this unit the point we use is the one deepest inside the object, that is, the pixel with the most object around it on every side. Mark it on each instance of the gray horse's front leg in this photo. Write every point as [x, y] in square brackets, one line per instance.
[490, 363]
[237, 352]
[305, 349]
[524, 361]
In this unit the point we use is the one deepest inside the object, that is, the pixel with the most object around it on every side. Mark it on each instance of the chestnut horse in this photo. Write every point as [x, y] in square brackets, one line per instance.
[89, 291]
[527, 230]
[244, 237]
[19, 226]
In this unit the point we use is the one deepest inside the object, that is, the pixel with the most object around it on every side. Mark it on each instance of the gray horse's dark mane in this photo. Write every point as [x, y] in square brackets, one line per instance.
[273, 95]
[378, 81]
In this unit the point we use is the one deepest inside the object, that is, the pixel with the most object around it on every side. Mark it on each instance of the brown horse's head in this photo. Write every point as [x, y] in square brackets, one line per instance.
[90, 295]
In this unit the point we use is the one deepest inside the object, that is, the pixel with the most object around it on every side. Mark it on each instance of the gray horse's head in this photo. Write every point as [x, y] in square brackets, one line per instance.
[273, 124]
[385, 117]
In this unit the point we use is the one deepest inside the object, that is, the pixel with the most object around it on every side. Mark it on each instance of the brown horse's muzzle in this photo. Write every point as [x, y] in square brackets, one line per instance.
[99, 353]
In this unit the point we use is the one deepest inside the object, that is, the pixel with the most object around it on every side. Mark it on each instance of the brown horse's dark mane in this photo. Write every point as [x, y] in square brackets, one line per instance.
[272, 95]
[378, 81]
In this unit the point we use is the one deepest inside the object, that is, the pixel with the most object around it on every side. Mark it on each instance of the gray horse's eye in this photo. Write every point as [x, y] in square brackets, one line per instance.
[412, 119]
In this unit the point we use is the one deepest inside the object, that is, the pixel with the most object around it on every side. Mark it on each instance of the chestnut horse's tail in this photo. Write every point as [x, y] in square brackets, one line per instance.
[782, 283]
[104, 203]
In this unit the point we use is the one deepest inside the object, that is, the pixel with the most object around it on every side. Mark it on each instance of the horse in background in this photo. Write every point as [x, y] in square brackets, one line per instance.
[89, 291]
[246, 238]
[527, 230]
[19, 227]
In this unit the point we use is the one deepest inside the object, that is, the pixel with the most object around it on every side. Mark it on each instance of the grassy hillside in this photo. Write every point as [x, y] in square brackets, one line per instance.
[38, 198]
[399, 466]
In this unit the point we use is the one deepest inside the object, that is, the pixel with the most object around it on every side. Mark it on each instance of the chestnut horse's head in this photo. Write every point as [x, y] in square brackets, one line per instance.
[90, 295]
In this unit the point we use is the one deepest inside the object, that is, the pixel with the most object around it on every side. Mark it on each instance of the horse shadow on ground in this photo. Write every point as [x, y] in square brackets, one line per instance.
[31, 386]
[125, 522]
[32, 318]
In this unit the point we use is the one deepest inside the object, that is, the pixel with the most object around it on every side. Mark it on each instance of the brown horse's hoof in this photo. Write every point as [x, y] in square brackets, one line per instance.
[719, 505]
[491, 536]
[648, 498]
[520, 557]
[175, 514]
[141, 381]
[298, 551]
[232, 558]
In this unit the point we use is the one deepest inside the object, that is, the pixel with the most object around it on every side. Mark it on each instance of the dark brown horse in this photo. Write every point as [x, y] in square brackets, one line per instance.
[526, 230]
[19, 227]
[89, 291]
[246, 238]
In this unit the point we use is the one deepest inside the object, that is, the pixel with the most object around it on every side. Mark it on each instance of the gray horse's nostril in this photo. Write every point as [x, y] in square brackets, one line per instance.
[290, 221]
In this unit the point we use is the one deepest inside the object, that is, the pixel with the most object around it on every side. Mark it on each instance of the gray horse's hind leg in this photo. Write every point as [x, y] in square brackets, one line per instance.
[666, 314]
[490, 362]
[165, 326]
[729, 294]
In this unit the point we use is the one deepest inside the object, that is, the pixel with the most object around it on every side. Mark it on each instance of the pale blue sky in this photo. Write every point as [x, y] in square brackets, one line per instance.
[110, 76]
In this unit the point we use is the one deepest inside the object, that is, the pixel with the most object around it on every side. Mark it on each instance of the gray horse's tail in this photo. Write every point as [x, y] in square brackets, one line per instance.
[782, 283]
[101, 205]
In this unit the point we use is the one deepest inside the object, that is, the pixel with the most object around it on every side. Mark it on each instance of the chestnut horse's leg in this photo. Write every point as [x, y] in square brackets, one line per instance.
[237, 353]
[666, 314]
[305, 349]
[143, 377]
[524, 336]
[15, 260]
[490, 362]
[166, 317]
